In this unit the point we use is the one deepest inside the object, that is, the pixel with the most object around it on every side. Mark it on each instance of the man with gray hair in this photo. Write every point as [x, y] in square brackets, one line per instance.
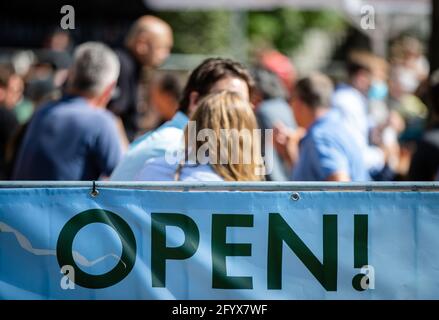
[75, 138]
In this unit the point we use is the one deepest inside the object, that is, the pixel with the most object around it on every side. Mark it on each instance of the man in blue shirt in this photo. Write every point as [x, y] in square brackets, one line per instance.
[212, 75]
[326, 152]
[75, 138]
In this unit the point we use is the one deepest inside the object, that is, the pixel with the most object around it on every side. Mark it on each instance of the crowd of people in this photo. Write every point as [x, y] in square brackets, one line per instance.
[92, 113]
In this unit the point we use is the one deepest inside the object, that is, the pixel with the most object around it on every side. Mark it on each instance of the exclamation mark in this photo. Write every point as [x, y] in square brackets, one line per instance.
[360, 281]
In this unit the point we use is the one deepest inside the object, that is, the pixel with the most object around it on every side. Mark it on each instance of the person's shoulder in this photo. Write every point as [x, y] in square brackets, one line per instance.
[170, 132]
[271, 111]
[102, 119]
[273, 106]
[122, 54]
[344, 94]
[331, 130]
[87, 117]
[199, 172]
[327, 125]
[157, 169]
[126, 60]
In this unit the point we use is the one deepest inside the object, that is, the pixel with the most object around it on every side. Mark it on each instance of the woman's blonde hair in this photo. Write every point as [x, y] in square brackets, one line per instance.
[231, 148]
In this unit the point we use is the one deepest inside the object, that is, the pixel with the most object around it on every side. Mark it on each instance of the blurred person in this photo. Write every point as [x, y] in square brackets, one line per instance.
[212, 75]
[410, 107]
[12, 85]
[425, 162]
[8, 121]
[54, 59]
[409, 70]
[45, 80]
[147, 44]
[326, 151]
[407, 55]
[378, 91]
[272, 108]
[280, 65]
[351, 99]
[165, 95]
[385, 124]
[218, 112]
[54, 64]
[59, 40]
[75, 138]
[40, 89]
[18, 103]
[39, 92]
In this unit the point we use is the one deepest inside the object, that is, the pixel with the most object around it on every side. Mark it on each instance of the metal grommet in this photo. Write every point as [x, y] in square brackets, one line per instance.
[94, 191]
[295, 196]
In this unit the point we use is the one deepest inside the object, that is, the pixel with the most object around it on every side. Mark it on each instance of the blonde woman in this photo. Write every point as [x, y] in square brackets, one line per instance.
[222, 143]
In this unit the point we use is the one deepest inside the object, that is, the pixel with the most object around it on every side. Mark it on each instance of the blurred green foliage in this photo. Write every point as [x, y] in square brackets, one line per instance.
[201, 32]
[284, 29]
[207, 32]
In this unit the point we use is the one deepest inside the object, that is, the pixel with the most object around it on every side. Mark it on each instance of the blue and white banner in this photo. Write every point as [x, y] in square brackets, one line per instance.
[61, 243]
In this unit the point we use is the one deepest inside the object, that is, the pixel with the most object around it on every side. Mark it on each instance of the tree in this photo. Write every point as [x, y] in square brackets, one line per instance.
[199, 32]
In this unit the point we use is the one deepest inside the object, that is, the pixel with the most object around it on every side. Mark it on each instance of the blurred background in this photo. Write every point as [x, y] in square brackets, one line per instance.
[314, 33]
[398, 39]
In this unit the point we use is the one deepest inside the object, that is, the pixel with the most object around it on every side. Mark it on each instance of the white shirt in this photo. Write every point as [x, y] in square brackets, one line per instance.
[158, 169]
[353, 106]
[166, 139]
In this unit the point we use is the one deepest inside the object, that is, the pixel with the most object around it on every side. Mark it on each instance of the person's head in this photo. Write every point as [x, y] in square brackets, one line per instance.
[165, 94]
[58, 40]
[11, 87]
[226, 122]
[215, 75]
[94, 72]
[311, 98]
[268, 85]
[280, 65]
[150, 40]
[359, 76]
[412, 48]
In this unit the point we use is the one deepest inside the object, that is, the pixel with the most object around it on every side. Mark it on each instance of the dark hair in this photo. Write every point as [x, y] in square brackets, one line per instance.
[210, 71]
[268, 83]
[170, 84]
[6, 72]
[315, 90]
[354, 67]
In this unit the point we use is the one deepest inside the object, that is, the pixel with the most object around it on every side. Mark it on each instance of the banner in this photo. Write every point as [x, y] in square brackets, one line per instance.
[62, 243]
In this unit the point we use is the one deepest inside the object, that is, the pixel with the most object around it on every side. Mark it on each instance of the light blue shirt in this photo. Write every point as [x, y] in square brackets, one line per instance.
[353, 107]
[328, 148]
[158, 169]
[166, 138]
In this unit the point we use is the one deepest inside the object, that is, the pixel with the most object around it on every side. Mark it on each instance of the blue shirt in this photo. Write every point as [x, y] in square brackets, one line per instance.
[268, 113]
[167, 138]
[328, 148]
[69, 140]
